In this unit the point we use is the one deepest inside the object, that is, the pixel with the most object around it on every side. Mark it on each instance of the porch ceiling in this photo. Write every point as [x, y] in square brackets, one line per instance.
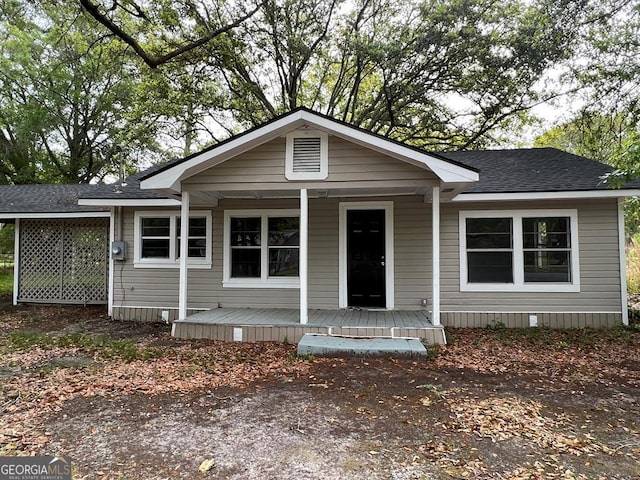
[211, 197]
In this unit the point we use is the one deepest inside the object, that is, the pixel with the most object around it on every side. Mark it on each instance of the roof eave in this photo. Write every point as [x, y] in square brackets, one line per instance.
[129, 202]
[76, 214]
[545, 195]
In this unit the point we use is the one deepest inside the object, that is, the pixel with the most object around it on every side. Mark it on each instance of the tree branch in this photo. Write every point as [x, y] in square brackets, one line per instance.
[151, 61]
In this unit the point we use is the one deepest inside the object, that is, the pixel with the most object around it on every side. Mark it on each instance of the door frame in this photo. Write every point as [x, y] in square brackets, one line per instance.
[387, 206]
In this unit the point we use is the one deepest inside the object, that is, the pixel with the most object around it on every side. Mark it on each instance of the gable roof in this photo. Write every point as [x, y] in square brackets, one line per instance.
[168, 178]
[534, 170]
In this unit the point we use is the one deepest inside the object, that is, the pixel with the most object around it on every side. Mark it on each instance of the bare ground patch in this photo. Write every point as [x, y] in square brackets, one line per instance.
[127, 401]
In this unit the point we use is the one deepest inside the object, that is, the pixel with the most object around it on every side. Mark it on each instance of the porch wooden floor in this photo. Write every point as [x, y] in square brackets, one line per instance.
[279, 324]
[323, 318]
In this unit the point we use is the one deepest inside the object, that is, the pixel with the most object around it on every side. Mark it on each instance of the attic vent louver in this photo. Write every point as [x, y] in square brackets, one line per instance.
[306, 155]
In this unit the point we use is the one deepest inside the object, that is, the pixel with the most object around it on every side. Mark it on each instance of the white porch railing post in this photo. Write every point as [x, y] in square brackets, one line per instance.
[435, 236]
[184, 254]
[304, 256]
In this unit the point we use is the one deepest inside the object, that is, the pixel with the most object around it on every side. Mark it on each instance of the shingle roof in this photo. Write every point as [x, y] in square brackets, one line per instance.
[501, 171]
[533, 170]
[46, 198]
[129, 190]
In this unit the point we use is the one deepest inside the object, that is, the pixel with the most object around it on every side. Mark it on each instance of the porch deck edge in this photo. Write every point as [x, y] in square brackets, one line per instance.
[292, 333]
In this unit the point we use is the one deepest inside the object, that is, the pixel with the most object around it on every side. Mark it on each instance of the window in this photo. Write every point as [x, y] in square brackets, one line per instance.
[157, 239]
[307, 156]
[197, 239]
[547, 249]
[490, 250]
[284, 246]
[246, 247]
[519, 251]
[262, 248]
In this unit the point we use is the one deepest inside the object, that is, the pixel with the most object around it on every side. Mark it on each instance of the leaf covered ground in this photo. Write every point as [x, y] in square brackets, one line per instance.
[126, 400]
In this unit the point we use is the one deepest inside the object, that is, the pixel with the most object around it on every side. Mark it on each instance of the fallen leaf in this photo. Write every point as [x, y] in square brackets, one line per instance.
[206, 465]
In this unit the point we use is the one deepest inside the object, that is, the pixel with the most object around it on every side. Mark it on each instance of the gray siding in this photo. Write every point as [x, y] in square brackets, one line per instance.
[599, 264]
[598, 302]
[158, 287]
[521, 320]
[264, 167]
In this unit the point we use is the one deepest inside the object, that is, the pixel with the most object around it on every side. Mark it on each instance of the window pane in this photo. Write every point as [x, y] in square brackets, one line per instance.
[488, 233]
[283, 262]
[552, 232]
[547, 266]
[155, 248]
[197, 226]
[245, 262]
[245, 232]
[156, 227]
[197, 248]
[490, 267]
[284, 231]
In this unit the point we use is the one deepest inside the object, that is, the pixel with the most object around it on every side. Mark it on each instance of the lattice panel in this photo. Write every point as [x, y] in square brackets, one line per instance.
[64, 261]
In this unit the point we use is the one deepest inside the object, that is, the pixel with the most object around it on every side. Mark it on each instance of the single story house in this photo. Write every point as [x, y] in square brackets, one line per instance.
[308, 224]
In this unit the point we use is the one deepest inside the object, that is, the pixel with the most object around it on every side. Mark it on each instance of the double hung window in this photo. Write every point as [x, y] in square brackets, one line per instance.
[519, 250]
[262, 248]
[157, 239]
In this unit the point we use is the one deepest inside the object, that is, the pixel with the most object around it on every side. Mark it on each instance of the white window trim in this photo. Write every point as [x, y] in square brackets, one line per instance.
[324, 156]
[518, 284]
[344, 207]
[173, 261]
[264, 281]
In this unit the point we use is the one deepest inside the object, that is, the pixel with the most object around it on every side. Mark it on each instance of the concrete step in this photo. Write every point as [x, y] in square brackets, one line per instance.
[335, 346]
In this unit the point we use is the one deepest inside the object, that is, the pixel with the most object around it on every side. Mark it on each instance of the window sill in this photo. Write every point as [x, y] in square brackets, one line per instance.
[270, 283]
[156, 264]
[527, 288]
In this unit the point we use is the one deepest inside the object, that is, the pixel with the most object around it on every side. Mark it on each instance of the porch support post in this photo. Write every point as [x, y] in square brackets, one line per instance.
[304, 256]
[112, 237]
[435, 249]
[184, 254]
[16, 262]
[622, 248]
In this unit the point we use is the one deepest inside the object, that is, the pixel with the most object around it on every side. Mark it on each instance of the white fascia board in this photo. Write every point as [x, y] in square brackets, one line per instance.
[12, 216]
[171, 177]
[130, 202]
[492, 197]
[446, 171]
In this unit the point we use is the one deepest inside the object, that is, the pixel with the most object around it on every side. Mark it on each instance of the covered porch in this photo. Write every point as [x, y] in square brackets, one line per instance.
[283, 324]
[319, 221]
[333, 208]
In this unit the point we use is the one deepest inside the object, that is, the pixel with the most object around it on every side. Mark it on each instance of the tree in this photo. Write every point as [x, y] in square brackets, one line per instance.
[390, 66]
[66, 97]
[598, 135]
[394, 67]
[611, 139]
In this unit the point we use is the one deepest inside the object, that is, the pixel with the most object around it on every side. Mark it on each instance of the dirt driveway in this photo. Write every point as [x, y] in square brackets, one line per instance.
[128, 401]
